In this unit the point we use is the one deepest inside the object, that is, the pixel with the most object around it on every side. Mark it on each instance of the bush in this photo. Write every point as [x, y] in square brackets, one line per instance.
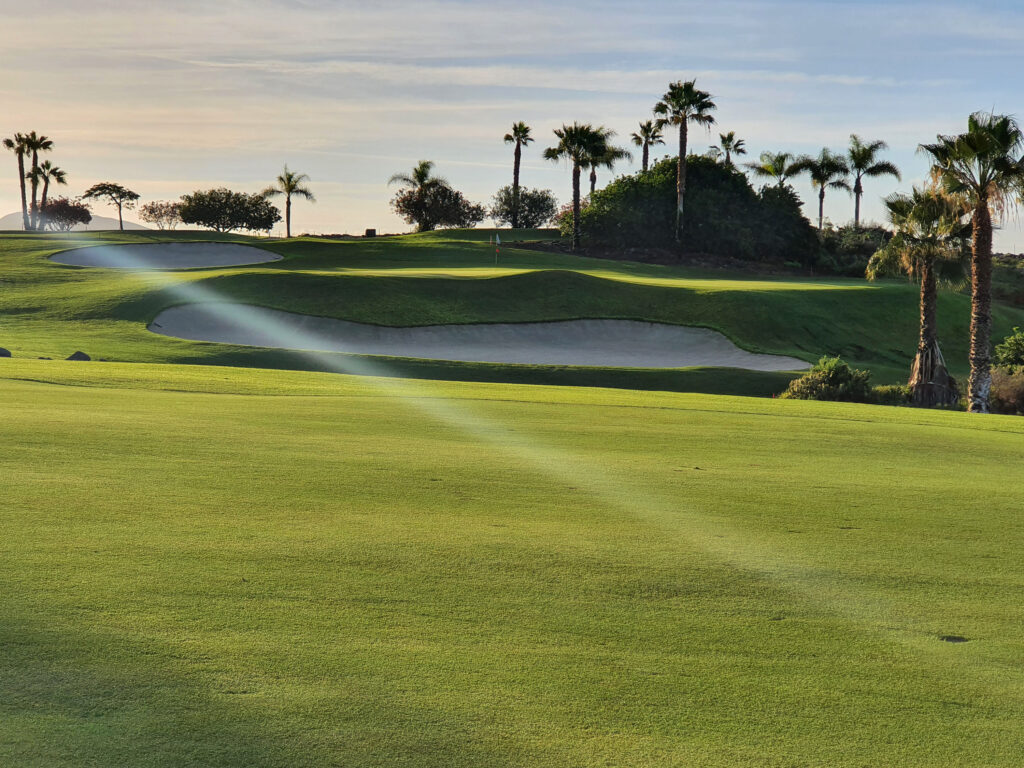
[892, 394]
[62, 214]
[1007, 393]
[831, 379]
[724, 215]
[1010, 354]
[434, 205]
[165, 214]
[847, 250]
[223, 210]
[536, 207]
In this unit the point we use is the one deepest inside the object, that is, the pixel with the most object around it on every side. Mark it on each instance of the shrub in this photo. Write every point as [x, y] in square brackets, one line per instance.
[847, 250]
[563, 219]
[892, 394]
[62, 214]
[1007, 393]
[434, 205]
[223, 210]
[831, 379]
[536, 207]
[1010, 354]
[724, 215]
[165, 214]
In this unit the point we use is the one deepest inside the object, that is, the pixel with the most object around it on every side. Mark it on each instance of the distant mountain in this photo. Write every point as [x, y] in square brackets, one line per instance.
[13, 221]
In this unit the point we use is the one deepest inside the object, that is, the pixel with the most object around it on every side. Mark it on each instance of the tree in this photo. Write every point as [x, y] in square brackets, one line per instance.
[827, 171]
[19, 147]
[224, 210]
[929, 244]
[536, 207]
[681, 105]
[115, 194]
[434, 205]
[165, 214]
[648, 135]
[579, 144]
[289, 183]
[863, 161]
[775, 165]
[607, 159]
[730, 146]
[62, 214]
[35, 144]
[422, 176]
[49, 173]
[520, 136]
[984, 167]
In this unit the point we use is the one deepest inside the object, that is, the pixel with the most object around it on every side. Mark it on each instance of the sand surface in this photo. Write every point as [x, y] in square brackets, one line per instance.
[165, 256]
[605, 343]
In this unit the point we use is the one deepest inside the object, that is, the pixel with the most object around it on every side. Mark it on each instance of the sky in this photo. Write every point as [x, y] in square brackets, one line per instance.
[175, 96]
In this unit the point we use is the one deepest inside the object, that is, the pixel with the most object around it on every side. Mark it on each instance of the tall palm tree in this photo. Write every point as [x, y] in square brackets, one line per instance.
[930, 243]
[520, 136]
[776, 165]
[288, 184]
[863, 160]
[984, 167]
[580, 145]
[607, 160]
[827, 171]
[36, 143]
[731, 146]
[422, 176]
[648, 135]
[19, 147]
[681, 105]
[48, 173]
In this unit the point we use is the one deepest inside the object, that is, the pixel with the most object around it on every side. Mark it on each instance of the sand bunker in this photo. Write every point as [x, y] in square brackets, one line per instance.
[165, 256]
[605, 343]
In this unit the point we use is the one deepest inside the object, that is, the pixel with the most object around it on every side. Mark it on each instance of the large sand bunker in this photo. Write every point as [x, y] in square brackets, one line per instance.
[165, 256]
[604, 343]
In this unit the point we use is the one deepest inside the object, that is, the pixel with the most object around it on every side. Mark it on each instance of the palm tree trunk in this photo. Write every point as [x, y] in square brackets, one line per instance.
[35, 189]
[647, 155]
[821, 209]
[42, 202]
[288, 216]
[593, 180]
[858, 190]
[680, 181]
[930, 382]
[24, 199]
[980, 380]
[575, 206]
[515, 185]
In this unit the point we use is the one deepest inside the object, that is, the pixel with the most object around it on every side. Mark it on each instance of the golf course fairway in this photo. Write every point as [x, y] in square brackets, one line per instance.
[238, 567]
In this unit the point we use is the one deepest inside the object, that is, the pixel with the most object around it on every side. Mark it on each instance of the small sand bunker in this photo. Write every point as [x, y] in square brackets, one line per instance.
[604, 343]
[165, 256]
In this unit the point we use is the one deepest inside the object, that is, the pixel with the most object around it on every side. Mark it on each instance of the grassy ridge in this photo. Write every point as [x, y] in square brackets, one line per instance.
[335, 570]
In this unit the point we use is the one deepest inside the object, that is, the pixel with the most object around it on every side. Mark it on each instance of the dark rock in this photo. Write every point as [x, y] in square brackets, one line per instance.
[79, 356]
[46, 358]
[5, 352]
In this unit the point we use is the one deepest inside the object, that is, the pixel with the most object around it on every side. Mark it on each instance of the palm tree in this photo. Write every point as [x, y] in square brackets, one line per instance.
[984, 167]
[36, 144]
[648, 135]
[289, 183]
[827, 171]
[520, 136]
[775, 165]
[18, 146]
[863, 159]
[579, 144]
[731, 146]
[681, 105]
[607, 160]
[930, 243]
[421, 176]
[48, 173]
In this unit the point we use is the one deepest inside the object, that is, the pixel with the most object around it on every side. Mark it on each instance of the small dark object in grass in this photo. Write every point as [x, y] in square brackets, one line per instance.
[79, 355]
[5, 352]
[953, 639]
[371, 233]
[46, 358]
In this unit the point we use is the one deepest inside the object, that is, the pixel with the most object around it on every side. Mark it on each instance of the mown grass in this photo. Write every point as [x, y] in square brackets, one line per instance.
[236, 567]
[50, 310]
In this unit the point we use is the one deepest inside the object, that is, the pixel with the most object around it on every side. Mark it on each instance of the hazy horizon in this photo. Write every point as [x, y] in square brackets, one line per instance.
[184, 96]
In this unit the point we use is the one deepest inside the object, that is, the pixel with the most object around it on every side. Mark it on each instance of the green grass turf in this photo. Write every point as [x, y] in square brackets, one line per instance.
[51, 310]
[229, 567]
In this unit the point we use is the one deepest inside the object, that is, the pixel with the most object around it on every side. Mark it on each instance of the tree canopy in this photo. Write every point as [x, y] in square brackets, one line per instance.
[224, 210]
